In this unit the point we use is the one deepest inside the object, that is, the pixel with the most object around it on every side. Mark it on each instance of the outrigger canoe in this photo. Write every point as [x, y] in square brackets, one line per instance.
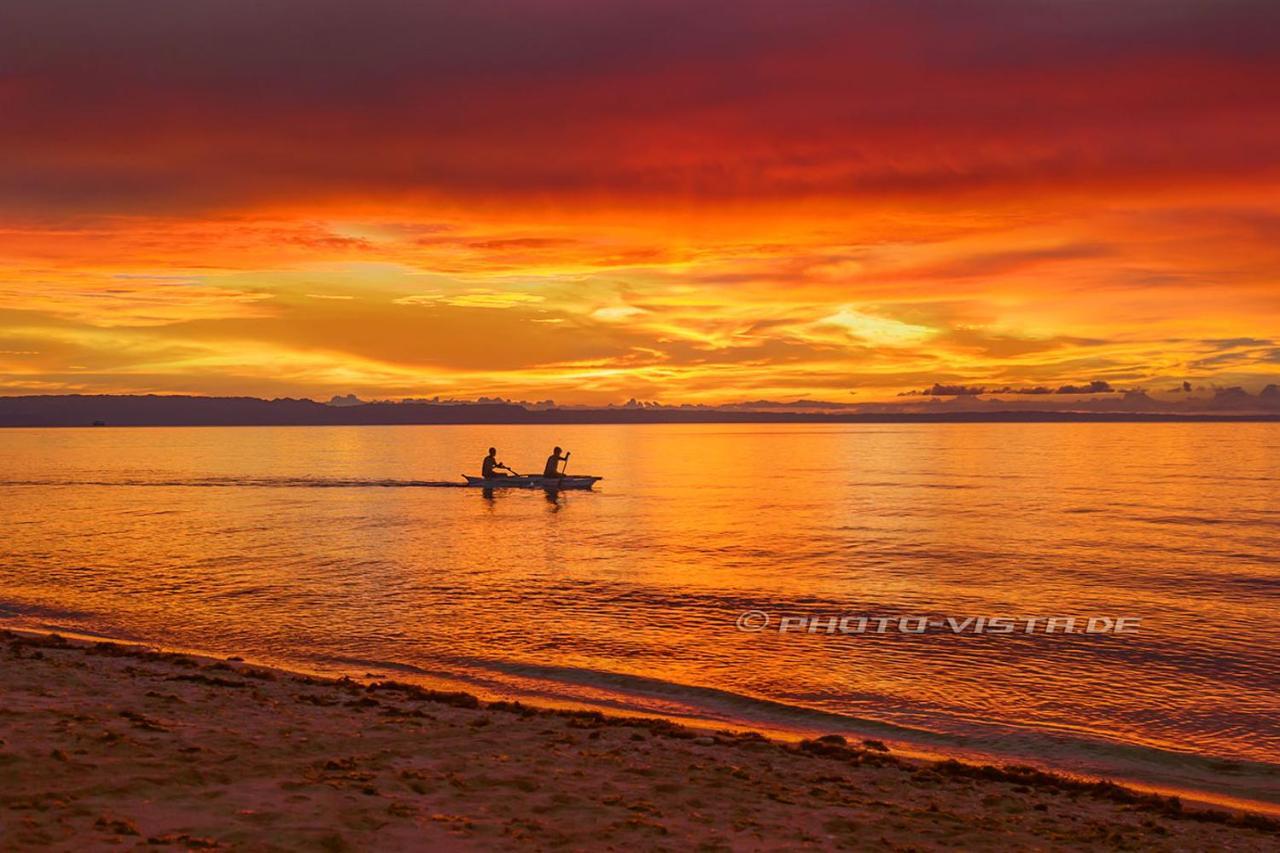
[552, 483]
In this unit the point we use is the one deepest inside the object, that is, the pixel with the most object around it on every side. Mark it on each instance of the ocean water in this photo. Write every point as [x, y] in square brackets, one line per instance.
[342, 550]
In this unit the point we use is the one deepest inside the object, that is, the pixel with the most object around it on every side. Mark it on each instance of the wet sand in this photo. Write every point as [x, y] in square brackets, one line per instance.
[105, 746]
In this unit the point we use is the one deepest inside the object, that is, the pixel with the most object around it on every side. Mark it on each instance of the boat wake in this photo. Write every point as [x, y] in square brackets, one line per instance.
[252, 482]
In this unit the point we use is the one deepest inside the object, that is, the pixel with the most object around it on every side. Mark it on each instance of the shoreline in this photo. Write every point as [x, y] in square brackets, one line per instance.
[129, 739]
[901, 741]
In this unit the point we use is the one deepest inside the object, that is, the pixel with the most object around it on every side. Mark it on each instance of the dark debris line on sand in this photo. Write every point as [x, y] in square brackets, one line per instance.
[104, 744]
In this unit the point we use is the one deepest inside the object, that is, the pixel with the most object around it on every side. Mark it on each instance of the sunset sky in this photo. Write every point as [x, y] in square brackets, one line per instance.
[592, 200]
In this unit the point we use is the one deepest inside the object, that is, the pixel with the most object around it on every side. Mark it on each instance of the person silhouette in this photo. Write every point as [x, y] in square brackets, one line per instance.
[489, 467]
[552, 468]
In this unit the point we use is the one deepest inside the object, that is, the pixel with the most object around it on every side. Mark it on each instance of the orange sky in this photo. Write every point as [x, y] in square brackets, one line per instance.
[591, 201]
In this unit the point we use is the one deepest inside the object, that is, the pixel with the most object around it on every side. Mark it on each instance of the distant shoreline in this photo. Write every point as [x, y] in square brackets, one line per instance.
[893, 419]
[175, 411]
[996, 418]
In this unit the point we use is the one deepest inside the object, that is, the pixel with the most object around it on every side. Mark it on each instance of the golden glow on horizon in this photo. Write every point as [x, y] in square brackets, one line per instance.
[273, 306]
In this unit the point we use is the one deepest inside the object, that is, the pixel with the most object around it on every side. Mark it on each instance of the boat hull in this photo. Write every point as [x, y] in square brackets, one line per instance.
[550, 483]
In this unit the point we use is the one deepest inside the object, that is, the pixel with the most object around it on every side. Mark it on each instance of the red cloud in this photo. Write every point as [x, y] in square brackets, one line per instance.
[205, 104]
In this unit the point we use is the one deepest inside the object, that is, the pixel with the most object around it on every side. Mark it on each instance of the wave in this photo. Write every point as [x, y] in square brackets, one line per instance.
[641, 694]
[254, 482]
[1063, 749]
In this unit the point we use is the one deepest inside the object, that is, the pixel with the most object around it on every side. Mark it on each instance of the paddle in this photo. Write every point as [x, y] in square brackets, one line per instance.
[566, 464]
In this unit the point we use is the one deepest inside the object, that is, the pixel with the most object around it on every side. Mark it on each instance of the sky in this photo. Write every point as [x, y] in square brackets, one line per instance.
[596, 200]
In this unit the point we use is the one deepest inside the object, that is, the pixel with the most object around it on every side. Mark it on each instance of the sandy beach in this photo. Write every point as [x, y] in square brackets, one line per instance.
[105, 746]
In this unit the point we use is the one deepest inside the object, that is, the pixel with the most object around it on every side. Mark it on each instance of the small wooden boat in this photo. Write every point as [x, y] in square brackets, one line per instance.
[550, 483]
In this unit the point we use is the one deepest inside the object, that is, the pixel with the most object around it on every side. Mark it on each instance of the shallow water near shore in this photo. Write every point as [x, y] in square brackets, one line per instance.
[340, 550]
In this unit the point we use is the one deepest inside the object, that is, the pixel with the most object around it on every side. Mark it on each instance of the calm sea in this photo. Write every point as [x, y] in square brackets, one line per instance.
[340, 550]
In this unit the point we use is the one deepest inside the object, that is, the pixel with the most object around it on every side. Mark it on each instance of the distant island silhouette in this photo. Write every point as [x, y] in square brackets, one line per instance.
[164, 410]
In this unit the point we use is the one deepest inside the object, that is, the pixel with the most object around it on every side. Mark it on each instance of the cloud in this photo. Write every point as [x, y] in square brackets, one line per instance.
[940, 390]
[522, 243]
[205, 107]
[114, 302]
[432, 298]
[1233, 343]
[615, 313]
[490, 299]
[937, 390]
[614, 199]
[989, 264]
[1095, 387]
[1005, 344]
[876, 330]
[472, 299]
